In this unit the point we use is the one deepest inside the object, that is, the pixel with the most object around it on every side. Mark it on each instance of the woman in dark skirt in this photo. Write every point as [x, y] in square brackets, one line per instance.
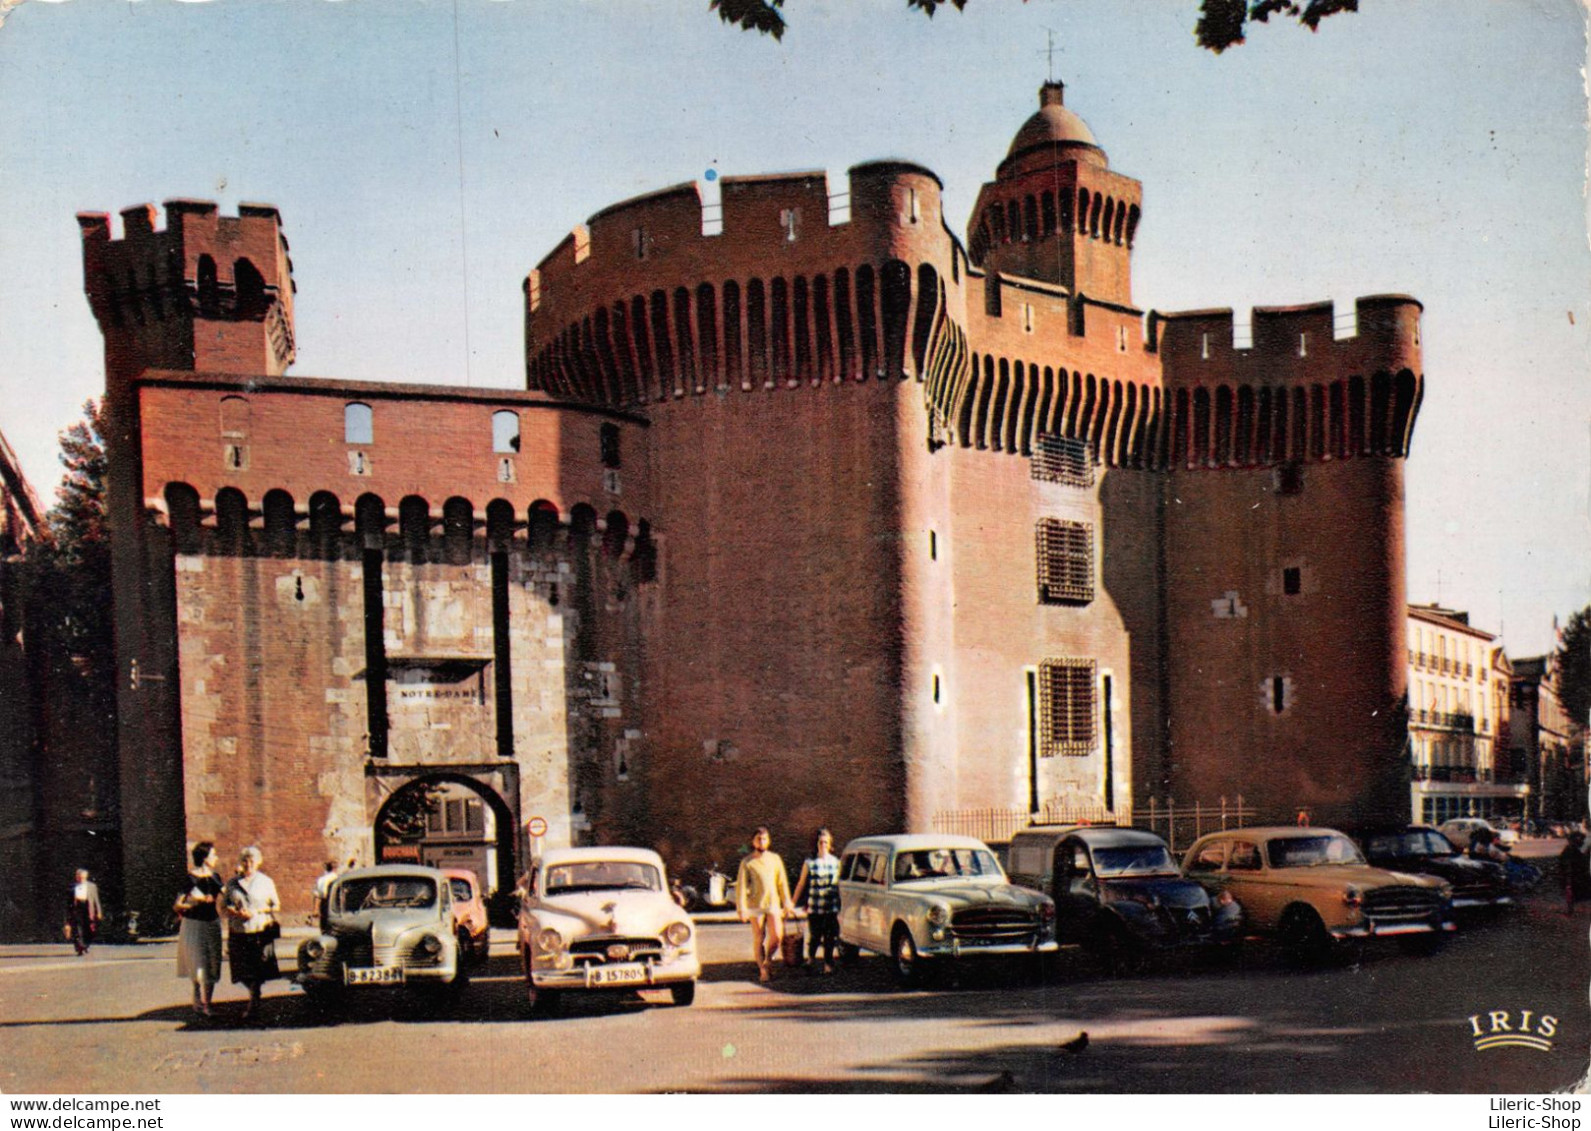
[199, 940]
[251, 906]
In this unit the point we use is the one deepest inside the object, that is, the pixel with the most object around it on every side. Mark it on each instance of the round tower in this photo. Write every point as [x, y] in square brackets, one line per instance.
[1055, 211]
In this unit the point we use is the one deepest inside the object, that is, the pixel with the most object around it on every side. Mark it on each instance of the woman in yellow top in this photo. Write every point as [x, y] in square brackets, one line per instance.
[762, 898]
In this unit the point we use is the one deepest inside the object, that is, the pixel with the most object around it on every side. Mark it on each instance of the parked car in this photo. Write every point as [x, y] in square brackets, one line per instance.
[1310, 887]
[391, 925]
[1422, 849]
[925, 900]
[1120, 893]
[1460, 829]
[603, 919]
[469, 915]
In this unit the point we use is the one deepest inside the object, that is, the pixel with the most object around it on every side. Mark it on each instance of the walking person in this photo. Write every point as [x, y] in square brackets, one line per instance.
[819, 882]
[762, 898]
[251, 905]
[83, 912]
[199, 938]
[1574, 871]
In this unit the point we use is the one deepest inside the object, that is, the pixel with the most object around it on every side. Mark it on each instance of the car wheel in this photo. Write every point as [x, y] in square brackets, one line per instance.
[543, 1003]
[1425, 944]
[322, 997]
[1122, 954]
[683, 993]
[1304, 936]
[908, 963]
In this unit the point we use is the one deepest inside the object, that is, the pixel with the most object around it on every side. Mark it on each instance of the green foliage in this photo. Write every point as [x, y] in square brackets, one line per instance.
[1221, 22]
[764, 15]
[404, 815]
[70, 570]
[1574, 667]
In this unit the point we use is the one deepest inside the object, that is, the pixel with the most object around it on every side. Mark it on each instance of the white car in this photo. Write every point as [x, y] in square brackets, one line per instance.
[928, 900]
[1460, 829]
[602, 919]
[391, 925]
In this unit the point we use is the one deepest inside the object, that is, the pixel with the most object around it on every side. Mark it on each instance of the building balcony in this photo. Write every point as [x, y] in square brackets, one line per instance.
[1443, 720]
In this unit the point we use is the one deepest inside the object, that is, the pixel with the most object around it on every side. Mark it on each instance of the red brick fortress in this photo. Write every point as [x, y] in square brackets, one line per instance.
[811, 514]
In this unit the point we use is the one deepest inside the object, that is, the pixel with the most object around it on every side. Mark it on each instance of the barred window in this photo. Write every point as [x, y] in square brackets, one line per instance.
[1065, 562]
[1057, 459]
[1066, 707]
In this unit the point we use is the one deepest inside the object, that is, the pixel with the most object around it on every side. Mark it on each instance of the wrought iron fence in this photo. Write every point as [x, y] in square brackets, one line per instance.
[1179, 824]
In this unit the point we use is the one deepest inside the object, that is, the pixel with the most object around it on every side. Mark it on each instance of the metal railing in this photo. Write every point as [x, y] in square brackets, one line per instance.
[1179, 824]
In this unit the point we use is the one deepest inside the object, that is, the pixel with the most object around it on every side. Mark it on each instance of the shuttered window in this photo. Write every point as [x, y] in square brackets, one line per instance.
[1066, 707]
[1057, 459]
[1065, 554]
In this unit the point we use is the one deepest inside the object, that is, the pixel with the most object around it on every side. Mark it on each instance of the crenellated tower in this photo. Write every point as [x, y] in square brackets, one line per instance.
[207, 293]
[1284, 549]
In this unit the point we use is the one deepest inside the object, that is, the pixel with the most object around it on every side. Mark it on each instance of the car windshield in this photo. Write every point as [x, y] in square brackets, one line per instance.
[368, 894]
[1134, 860]
[944, 863]
[600, 875]
[1308, 851]
[1415, 842]
[461, 890]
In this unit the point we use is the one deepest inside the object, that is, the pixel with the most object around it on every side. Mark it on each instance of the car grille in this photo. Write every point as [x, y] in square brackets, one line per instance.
[1400, 904]
[1483, 889]
[356, 950]
[993, 924]
[1186, 923]
[596, 952]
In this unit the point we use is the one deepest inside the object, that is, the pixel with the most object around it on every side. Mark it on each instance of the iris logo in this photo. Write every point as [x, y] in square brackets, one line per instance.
[1503, 1029]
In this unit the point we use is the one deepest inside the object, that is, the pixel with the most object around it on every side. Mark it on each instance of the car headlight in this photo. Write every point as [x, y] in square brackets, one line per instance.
[1047, 911]
[313, 950]
[549, 941]
[938, 915]
[1352, 896]
[677, 934]
[428, 947]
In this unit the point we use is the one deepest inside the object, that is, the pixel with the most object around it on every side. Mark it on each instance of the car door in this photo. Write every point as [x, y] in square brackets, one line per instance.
[1076, 891]
[1207, 867]
[1261, 893]
[858, 903]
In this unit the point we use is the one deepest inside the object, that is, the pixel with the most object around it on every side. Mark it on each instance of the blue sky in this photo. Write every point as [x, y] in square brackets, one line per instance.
[426, 155]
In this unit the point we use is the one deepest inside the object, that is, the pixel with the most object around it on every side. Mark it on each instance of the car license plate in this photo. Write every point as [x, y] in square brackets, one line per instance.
[373, 975]
[624, 975]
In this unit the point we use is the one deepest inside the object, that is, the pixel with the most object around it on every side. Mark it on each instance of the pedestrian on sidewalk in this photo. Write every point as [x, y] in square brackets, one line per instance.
[251, 905]
[762, 898]
[199, 937]
[83, 912]
[1574, 871]
[323, 884]
[820, 884]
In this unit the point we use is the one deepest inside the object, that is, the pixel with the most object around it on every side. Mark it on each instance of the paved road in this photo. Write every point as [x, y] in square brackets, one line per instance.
[117, 1021]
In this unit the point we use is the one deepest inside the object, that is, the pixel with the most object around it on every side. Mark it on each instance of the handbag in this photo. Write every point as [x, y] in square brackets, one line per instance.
[271, 932]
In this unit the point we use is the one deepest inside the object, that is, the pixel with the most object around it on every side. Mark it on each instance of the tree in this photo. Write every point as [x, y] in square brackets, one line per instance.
[1574, 668]
[1221, 22]
[71, 568]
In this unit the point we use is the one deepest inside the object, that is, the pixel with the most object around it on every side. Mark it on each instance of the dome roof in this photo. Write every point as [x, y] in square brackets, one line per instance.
[1054, 124]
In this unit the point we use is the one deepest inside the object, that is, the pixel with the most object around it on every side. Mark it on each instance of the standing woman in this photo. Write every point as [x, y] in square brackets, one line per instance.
[762, 898]
[820, 883]
[251, 905]
[199, 939]
[83, 912]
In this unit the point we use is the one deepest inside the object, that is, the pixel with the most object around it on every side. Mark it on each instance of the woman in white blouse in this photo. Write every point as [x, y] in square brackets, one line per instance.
[251, 907]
